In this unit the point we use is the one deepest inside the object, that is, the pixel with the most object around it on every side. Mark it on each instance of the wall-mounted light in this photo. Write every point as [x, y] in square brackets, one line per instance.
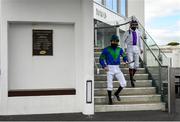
[89, 91]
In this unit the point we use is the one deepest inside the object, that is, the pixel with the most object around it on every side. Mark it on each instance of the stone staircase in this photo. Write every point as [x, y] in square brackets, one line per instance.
[142, 97]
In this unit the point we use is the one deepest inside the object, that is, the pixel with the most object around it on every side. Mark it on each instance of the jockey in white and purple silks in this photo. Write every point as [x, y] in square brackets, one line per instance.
[133, 42]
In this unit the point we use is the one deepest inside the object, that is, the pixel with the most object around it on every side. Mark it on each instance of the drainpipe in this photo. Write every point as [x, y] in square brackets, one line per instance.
[119, 7]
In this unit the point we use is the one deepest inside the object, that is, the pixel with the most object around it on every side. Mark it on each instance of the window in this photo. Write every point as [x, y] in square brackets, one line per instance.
[112, 5]
[123, 7]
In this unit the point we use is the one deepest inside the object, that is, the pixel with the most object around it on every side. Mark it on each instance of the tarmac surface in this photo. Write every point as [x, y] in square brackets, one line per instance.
[104, 116]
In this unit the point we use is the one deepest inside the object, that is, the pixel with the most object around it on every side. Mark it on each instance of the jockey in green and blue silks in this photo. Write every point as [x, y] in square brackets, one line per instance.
[111, 54]
[110, 61]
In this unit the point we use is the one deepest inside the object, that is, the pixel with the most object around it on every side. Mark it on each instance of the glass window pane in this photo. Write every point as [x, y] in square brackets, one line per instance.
[112, 5]
[123, 7]
[109, 4]
[115, 6]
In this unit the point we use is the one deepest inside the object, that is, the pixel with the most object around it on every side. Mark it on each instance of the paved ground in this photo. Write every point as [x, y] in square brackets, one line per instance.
[110, 116]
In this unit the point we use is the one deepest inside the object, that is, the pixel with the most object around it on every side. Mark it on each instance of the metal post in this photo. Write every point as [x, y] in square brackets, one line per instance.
[171, 90]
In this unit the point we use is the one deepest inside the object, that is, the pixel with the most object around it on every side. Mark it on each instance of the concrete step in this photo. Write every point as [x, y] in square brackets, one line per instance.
[127, 91]
[138, 83]
[129, 99]
[130, 107]
[103, 77]
[124, 70]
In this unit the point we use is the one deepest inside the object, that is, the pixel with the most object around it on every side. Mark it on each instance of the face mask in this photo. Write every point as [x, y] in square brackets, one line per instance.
[133, 28]
[114, 45]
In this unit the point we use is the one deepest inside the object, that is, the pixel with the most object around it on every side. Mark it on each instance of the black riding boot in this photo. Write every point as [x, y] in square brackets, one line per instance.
[131, 77]
[110, 99]
[134, 71]
[117, 93]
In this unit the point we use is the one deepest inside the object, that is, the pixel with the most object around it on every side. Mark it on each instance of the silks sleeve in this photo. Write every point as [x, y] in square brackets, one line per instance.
[125, 38]
[103, 58]
[123, 54]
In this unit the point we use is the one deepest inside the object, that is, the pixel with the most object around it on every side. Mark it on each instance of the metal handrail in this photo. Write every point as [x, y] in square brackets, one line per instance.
[152, 52]
[111, 26]
[151, 39]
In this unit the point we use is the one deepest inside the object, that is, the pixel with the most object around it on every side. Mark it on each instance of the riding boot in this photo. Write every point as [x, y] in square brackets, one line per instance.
[117, 93]
[131, 77]
[134, 71]
[109, 96]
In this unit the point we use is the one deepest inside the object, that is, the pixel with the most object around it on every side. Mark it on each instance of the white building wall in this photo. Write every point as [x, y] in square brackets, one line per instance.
[40, 72]
[67, 68]
[88, 52]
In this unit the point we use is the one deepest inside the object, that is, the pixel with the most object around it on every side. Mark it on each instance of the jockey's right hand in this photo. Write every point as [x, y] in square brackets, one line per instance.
[106, 69]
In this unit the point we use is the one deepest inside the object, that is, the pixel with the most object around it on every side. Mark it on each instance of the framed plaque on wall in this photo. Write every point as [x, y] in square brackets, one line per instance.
[42, 42]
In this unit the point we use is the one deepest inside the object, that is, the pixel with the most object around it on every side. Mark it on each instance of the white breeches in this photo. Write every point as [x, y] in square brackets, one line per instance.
[114, 70]
[133, 53]
[133, 57]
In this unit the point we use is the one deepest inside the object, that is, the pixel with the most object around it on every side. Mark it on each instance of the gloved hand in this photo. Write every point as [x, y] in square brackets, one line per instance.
[106, 69]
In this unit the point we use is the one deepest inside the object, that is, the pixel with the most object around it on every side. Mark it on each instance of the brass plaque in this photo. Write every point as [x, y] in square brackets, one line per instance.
[42, 42]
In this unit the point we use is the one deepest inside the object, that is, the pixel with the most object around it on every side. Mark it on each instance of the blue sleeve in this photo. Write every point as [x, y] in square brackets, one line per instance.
[103, 58]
